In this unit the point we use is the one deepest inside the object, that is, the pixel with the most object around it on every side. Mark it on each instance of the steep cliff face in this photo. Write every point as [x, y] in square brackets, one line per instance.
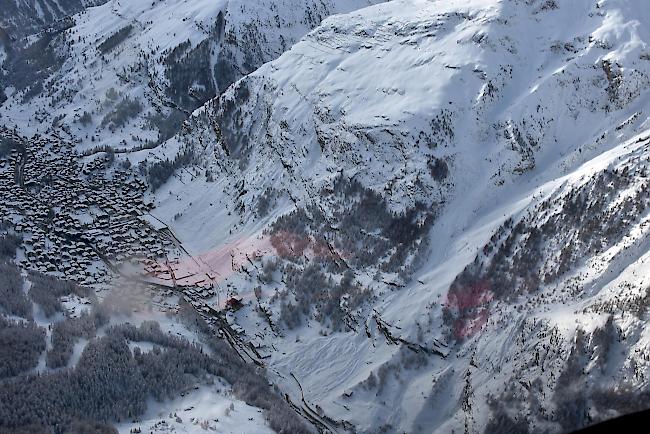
[446, 201]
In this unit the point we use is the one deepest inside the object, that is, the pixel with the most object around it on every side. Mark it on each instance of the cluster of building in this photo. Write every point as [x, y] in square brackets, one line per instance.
[82, 219]
[78, 219]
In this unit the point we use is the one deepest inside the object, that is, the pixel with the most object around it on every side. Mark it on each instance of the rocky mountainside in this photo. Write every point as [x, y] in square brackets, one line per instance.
[139, 69]
[447, 203]
[424, 216]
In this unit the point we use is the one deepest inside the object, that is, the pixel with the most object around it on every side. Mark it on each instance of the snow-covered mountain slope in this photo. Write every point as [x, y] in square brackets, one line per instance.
[141, 68]
[436, 213]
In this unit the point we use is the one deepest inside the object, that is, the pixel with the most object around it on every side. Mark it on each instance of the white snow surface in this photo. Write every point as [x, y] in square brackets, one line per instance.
[205, 409]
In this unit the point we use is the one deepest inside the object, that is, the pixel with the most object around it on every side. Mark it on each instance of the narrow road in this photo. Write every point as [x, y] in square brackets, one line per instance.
[19, 171]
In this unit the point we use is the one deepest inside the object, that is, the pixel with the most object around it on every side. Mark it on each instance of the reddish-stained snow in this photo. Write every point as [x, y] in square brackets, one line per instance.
[472, 305]
[210, 268]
